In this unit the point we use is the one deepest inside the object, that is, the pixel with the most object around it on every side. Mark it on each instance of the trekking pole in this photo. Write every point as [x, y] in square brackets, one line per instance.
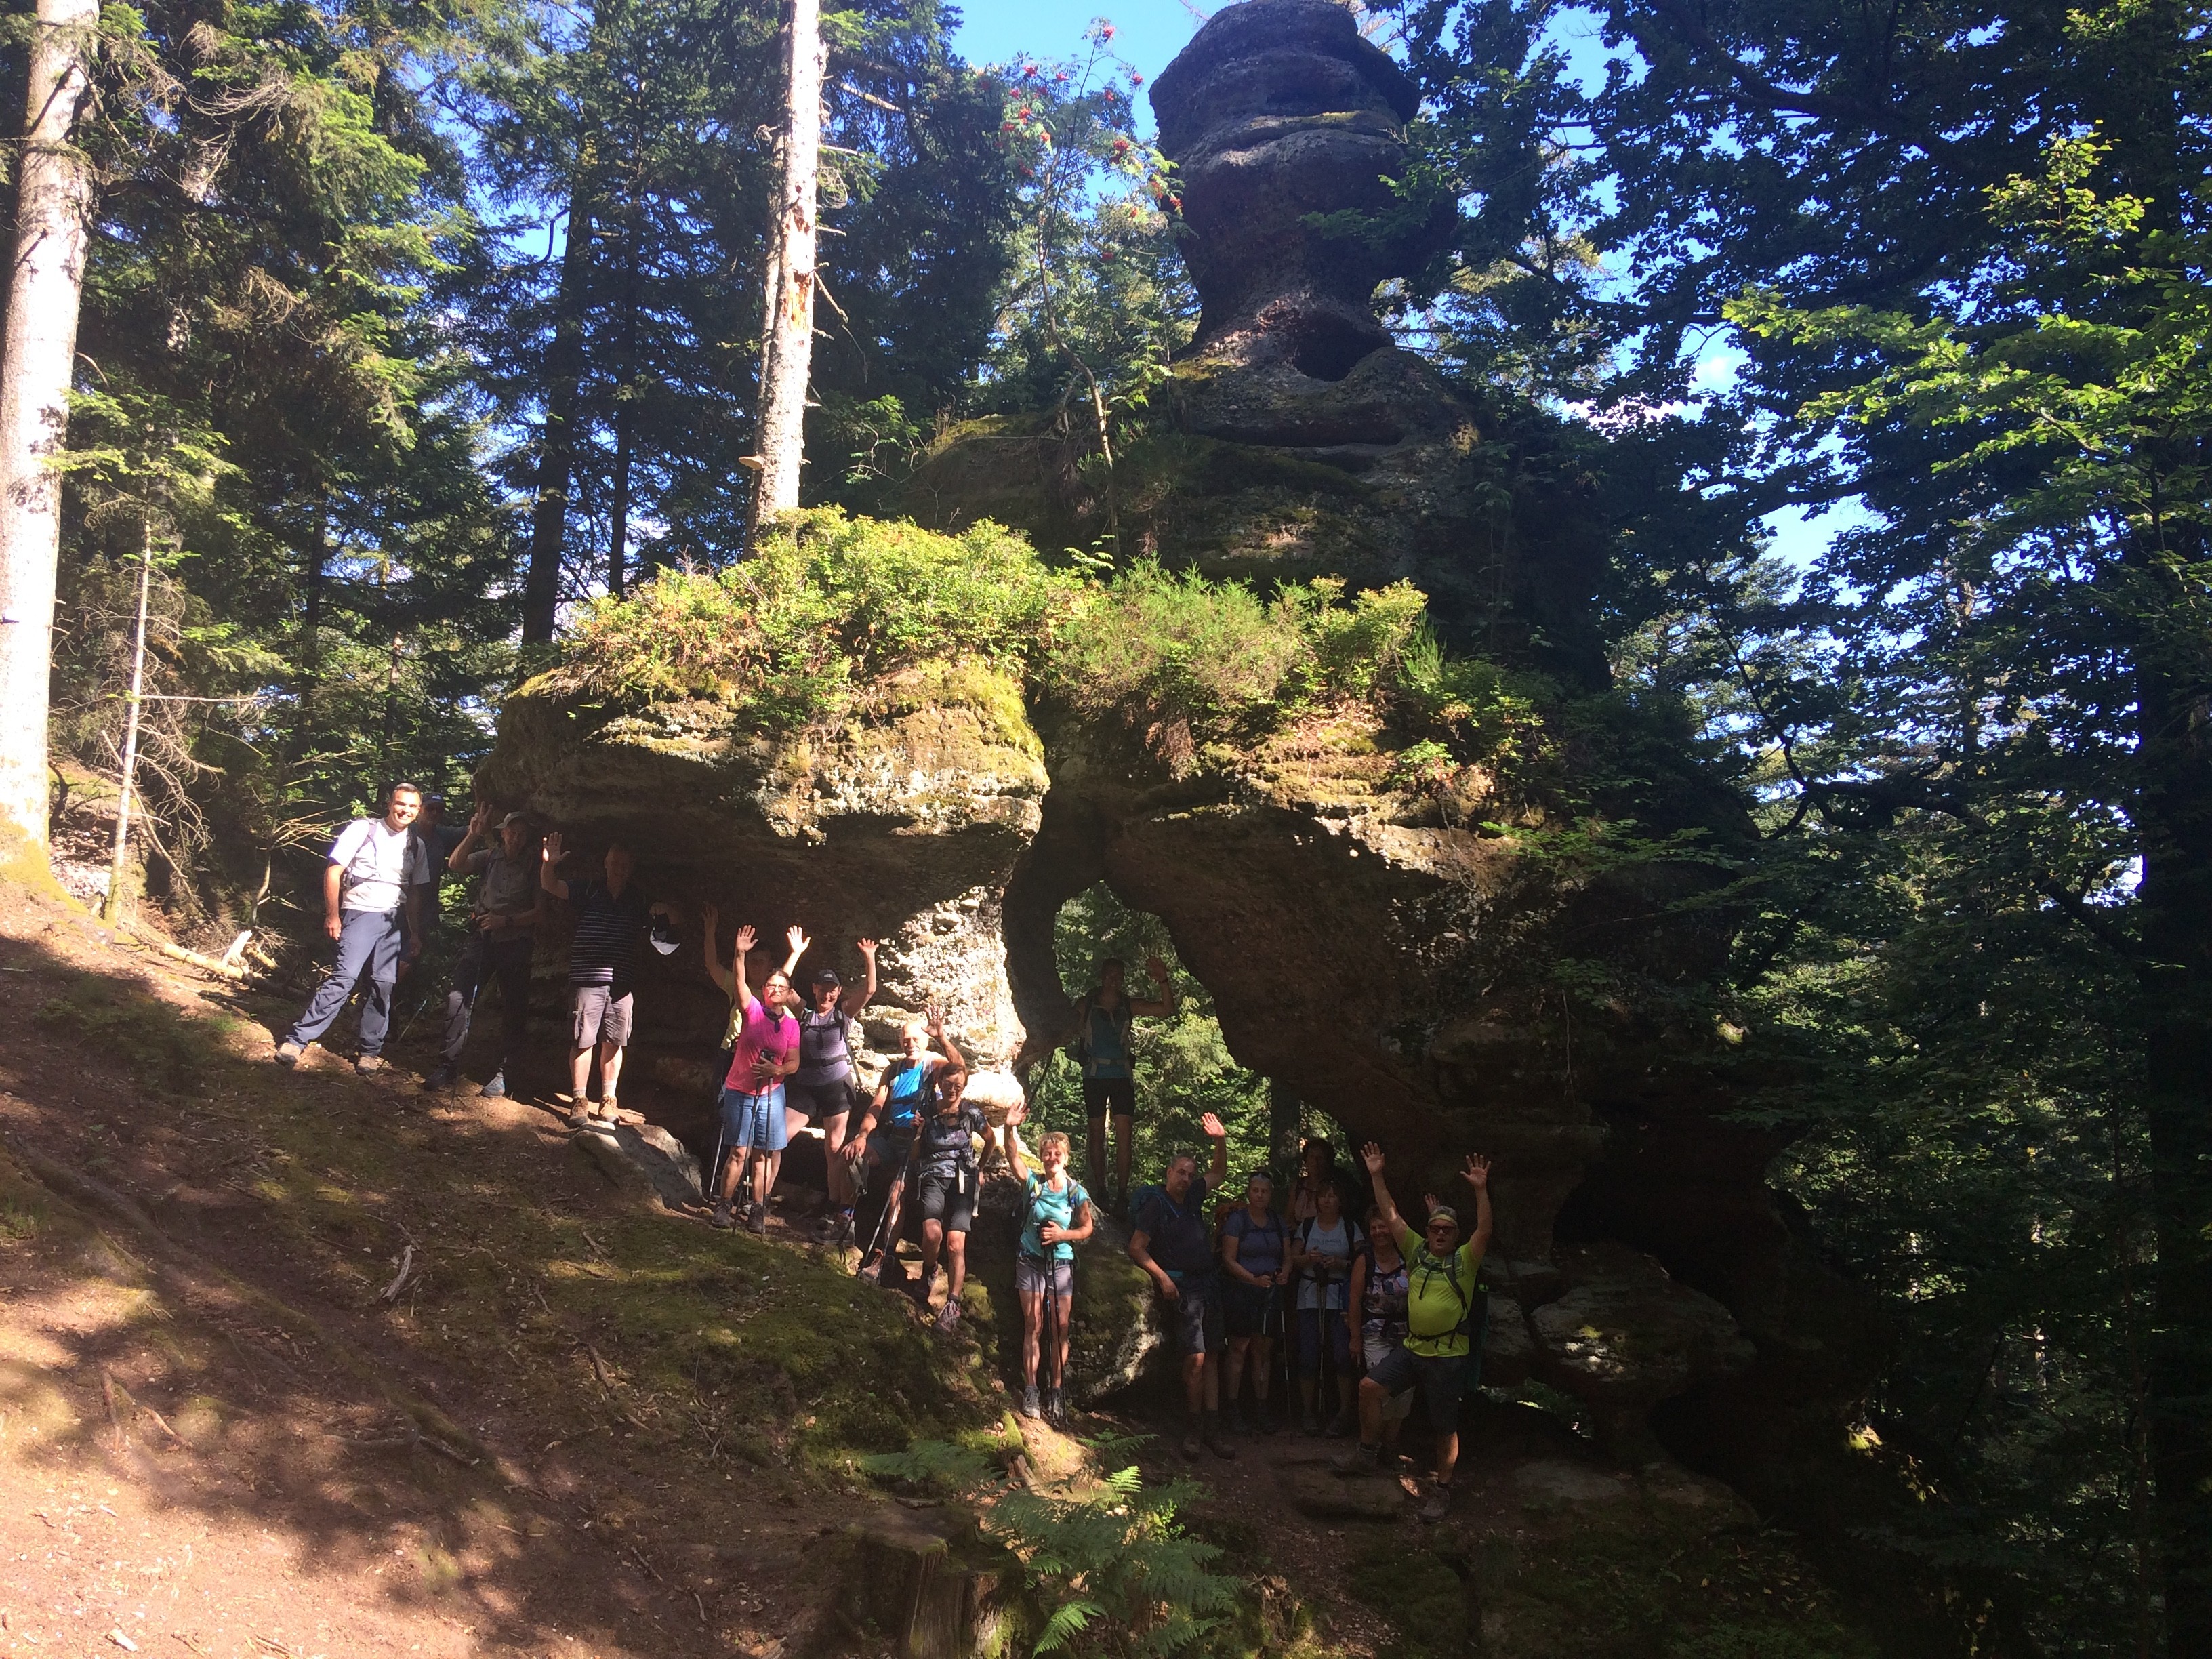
[1052, 1314]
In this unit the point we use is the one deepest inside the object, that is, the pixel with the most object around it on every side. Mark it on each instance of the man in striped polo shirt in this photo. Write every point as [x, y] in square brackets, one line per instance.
[610, 913]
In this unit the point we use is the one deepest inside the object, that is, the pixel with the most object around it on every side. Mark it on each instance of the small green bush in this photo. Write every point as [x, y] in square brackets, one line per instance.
[828, 612]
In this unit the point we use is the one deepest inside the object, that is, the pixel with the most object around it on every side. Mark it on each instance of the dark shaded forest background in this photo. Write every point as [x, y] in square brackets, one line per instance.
[409, 326]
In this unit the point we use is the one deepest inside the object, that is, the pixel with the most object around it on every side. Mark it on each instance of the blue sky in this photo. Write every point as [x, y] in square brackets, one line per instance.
[1149, 32]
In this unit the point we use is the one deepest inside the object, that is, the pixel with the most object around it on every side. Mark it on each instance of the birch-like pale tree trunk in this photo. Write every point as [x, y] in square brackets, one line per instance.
[118, 866]
[53, 219]
[788, 333]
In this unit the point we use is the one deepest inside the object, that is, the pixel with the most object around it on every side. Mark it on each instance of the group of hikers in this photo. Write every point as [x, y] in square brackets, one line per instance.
[1334, 1280]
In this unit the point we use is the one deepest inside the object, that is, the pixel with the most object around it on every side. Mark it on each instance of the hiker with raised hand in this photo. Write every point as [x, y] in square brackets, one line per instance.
[1173, 1242]
[821, 1087]
[1103, 1018]
[374, 872]
[880, 1147]
[1378, 1295]
[503, 923]
[1255, 1256]
[947, 1180]
[1440, 1303]
[1055, 1218]
[764, 1051]
[610, 913]
[1317, 1168]
[1322, 1249]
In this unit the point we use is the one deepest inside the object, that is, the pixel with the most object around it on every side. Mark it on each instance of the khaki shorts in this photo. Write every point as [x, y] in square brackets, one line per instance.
[597, 1014]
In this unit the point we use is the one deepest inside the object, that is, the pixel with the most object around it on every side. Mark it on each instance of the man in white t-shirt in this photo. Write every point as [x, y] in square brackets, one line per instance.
[374, 873]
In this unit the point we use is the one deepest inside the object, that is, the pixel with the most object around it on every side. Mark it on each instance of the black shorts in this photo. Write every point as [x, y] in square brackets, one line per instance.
[949, 1198]
[1195, 1316]
[1118, 1093]
[1251, 1310]
[819, 1101]
[1441, 1382]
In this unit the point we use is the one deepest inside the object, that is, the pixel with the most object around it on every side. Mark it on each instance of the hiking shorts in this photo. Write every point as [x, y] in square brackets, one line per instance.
[1398, 1407]
[1032, 1274]
[754, 1123]
[597, 1014]
[1195, 1316]
[1115, 1094]
[820, 1100]
[1251, 1310]
[950, 1198]
[1442, 1380]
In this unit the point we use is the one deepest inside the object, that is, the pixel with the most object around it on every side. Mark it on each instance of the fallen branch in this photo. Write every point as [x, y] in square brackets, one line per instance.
[206, 964]
[406, 1266]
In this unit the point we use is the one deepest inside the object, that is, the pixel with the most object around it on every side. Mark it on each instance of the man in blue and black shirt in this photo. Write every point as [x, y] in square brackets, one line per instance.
[1103, 1018]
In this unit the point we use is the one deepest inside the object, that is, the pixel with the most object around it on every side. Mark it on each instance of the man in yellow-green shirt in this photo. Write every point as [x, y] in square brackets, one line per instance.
[1440, 1292]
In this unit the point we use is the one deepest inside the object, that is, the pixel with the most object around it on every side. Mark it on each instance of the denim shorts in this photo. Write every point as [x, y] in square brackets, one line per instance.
[754, 1123]
[1031, 1272]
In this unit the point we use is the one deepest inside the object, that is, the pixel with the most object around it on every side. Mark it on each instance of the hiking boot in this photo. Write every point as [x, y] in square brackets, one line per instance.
[444, 1078]
[757, 1222]
[948, 1316]
[369, 1063]
[1030, 1407]
[1438, 1507]
[1190, 1446]
[1217, 1441]
[1055, 1408]
[1339, 1426]
[838, 1229]
[496, 1089]
[289, 1052]
[724, 1216]
[1357, 1459]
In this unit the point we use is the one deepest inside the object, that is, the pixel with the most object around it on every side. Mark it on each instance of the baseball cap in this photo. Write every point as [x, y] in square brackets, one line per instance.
[827, 976]
[512, 819]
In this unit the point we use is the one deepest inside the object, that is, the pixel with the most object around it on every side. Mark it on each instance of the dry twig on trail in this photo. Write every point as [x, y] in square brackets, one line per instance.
[406, 1266]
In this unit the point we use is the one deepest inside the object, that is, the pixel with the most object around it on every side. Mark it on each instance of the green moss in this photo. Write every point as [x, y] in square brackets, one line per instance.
[24, 862]
[169, 1049]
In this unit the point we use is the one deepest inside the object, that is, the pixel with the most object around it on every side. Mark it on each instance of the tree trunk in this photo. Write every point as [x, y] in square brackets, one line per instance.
[618, 512]
[2177, 900]
[52, 218]
[625, 407]
[119, 864]
[556, 446]
[788, 332]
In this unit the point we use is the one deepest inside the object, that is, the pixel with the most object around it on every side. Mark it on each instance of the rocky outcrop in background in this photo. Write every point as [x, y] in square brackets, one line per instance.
[1442, 964]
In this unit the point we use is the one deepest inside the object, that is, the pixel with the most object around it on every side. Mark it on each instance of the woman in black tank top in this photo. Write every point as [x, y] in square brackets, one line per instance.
[822, 1088]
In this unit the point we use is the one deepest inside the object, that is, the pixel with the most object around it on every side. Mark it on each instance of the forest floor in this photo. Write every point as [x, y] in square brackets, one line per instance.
[587, 1425]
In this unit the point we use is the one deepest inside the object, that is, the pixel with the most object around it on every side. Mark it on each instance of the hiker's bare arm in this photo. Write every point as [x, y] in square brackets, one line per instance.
[857, 1000]
[1236, 1269]
[1355, 1288]
[1478, 1177]
[1371, 1155]
[1011, 1136]
[1141, 1252]
[1074, 1234]
[1218, 1171]
[795, 936]
[549, 855]
[465, 847]
[710, 922]
[333, 886]
[740, 992]
[935, 1026]
[1155, 1008]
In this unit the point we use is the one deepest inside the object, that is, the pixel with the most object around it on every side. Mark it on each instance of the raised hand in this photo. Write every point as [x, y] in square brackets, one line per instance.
[1157, 969]
[746, 940]
[550, 851]
[867, 947]
[1429, 1204]
[1212, 1125]
[710, 919]
[1371, 1155]
[480, 820]
[934, 1023]
[795, 936]
[1478, 1172]
[1018, 1113]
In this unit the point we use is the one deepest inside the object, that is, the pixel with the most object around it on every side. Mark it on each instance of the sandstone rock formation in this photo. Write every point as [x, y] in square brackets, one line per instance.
[1442, 969]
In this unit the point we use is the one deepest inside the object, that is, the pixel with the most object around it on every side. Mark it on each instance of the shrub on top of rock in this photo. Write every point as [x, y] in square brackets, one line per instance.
[828, 614]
